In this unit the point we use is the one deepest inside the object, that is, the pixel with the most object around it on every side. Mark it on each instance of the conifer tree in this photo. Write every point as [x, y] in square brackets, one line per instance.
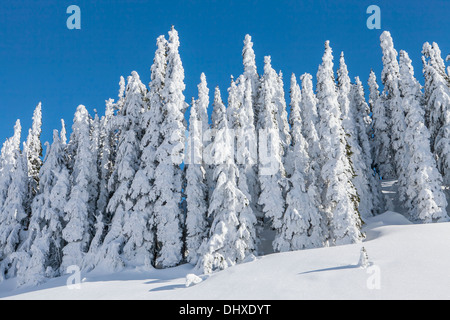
[209, 153]
[282, 114]
[251, 74]
[363, 121]
[142, 187]
[437, 112]
[9, 152]
[34, 150]
[196, 189]
[79, 210]
[169, 155]
[426, 200]
[105, 162]
[339, 196]
[364, 131]
[310, 124]
[302, 219]
[232, 234]
[393, 106]
[40, 255]
[271, 169]
[241, 122]
[118, 249]
[247, 147]
[14, 211]
[353, 137]
[381, 130]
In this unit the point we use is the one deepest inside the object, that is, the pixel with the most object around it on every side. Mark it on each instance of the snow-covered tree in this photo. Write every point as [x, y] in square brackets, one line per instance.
[364, 131]
[250, 70]
[271, 170]
[118, 248]
[393, 106]
[106, 145]
[79, 211]
[241, 122]
[339, 196]
[381, 131]
[251, 73]
[34, 150]
[96, 147]
[153, 118]
[350, 117]
[310, 124]
[142, 187]
[196, 186]
[302, 221]
[426, 199]
[169, 155]
[282, 115]
[9, 153]
[247, 146]
[232, 233]
[374, 98]
[209, 153]
[437, 99]
[13, 214]
[39, 257]
[203, 103]
[363, 259]
[233, 108]
[363, 121]
[296, 132]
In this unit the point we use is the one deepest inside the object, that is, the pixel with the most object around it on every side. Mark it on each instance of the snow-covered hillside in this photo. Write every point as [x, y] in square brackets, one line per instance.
[309, 189]
[407, 261]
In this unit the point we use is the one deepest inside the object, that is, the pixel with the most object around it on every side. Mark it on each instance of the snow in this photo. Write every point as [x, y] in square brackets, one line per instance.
[410, 260]
[126, 177]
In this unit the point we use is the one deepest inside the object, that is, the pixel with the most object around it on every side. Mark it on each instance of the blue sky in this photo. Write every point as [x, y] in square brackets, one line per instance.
[42, 60]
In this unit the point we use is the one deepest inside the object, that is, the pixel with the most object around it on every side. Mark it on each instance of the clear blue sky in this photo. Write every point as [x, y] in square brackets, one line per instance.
[42, 60]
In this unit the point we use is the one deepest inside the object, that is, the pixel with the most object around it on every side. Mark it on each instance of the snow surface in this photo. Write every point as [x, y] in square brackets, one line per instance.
[411, 261]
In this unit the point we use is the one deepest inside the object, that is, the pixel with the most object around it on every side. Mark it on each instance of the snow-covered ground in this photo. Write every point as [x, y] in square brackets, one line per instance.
[407, 261]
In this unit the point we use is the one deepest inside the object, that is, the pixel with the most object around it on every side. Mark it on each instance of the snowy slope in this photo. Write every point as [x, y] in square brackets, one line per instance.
[409, 261]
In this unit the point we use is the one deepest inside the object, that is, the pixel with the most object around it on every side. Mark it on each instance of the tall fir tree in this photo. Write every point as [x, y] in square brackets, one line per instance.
[14, 216]
[209, 151]
[271, 171]
[310, 124]
[350, 117]
[437, 107]
[302, 220]
[117, 248]
[282, 115]
[106, 145]
[339, 196]
[393, 107]
[232, 233]
[426, 199]
[79, 211]
[142, 187]
[241, 122]
[196, 185]
[251, 73]
[390, 79]
[34, 150]
[8, 160]
[364, 128]
[247, 146]
[169, 155]
[41, 254]
[382, 162]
